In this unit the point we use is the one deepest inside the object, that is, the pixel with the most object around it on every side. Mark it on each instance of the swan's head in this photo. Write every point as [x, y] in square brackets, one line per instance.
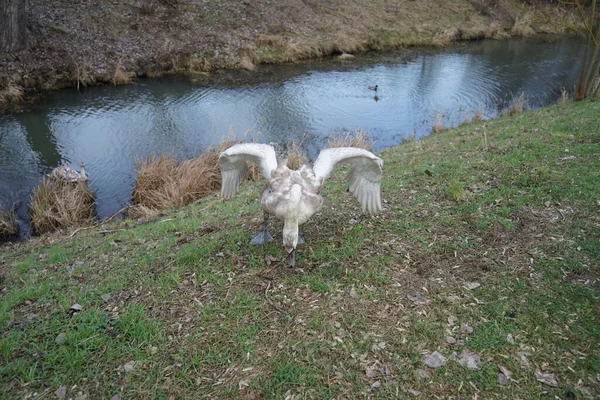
[290, 236]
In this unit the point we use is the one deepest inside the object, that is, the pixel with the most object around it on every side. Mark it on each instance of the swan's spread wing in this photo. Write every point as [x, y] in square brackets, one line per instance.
[364, 177]
[233, 164]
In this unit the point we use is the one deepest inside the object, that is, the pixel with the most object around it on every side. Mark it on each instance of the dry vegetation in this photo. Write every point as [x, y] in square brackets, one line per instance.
[438, 126]
[152, 38]
[11, 94]
[56, 205]
[357, 138]
[163, 182]
[516, 106]
[9, 226]
[295, 157]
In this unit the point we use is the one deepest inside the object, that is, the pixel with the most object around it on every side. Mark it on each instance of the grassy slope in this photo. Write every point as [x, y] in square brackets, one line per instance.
[199, 311]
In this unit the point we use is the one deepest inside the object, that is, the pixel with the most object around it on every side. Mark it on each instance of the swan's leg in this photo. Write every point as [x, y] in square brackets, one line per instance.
[292, 259]
[263, 236]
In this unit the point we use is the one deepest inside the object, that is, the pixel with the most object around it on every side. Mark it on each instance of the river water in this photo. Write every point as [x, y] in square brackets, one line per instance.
[110, 127]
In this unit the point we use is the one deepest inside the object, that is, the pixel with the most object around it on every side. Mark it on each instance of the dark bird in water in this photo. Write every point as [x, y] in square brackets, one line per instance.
[374, 87]
[376, 98]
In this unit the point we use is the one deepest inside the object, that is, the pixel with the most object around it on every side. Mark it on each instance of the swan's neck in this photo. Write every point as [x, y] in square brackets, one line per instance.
[290, 225]
[82, 174]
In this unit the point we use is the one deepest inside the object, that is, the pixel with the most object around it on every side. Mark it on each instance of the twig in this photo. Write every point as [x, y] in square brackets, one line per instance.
[269, 301]
[106, 220]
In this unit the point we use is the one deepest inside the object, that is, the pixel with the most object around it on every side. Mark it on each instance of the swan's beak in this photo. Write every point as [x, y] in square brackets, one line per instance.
[292, 258]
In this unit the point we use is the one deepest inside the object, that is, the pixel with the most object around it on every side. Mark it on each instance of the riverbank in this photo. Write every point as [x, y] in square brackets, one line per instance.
[75, 44]
[489, 242]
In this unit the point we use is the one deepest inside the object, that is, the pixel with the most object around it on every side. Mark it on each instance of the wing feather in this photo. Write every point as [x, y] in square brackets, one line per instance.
[364, 178]
[234, 169]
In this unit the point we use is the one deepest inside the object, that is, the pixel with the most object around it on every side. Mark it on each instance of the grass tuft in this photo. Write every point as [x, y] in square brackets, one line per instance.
[478, 115]
[162, 182]
[517, 105]
[120, 76]
[358, 138]
[11, 94]
[56, 205]
[438, 126]
[455, 191]
[295, 157]
[9, 226]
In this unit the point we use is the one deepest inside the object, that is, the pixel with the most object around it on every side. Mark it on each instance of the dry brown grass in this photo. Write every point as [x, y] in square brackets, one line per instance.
[516, 106]
[478, 115]
[358, 138]
[120, 76]
[57, 204]
[9, 226]
[163, 183]
[295, 158]
[11, 93]
[438, 126]
[564, 96]
[247, 64]
[522, 27]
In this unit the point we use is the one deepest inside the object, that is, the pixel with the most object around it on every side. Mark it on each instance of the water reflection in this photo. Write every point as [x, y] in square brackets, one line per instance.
[109, 128]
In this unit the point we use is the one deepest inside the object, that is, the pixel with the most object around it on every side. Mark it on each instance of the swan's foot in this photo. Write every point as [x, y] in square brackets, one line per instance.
[292, 259]
[263, 237]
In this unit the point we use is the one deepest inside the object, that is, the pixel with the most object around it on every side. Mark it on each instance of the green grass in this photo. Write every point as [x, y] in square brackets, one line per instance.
[183, 305]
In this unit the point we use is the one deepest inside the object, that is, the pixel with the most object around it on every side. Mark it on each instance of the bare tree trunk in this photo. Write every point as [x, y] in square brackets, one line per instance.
[13, 25]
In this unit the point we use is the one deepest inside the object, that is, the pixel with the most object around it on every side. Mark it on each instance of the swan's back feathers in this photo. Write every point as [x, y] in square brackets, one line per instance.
[364, 178]
[233, 164]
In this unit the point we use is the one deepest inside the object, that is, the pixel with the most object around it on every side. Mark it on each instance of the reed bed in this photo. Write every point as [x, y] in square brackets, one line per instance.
[8, 224]
[57, 205]
[358, 138]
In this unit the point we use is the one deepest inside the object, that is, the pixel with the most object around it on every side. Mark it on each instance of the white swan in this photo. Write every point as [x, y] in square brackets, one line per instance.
[68, 174]
[293, 196]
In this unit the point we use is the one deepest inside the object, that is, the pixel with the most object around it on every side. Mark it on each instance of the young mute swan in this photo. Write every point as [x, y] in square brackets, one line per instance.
[293, 196]
[68, 174]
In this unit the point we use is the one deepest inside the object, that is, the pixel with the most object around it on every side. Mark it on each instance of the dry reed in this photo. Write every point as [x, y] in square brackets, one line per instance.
[56, 204]
[295, 157]
[11, 94]
[163, 183]
[9, 226]
[564, 96]
[358, 138]
[438, 126]
[478, 115]
[517, 105]
[120, 76]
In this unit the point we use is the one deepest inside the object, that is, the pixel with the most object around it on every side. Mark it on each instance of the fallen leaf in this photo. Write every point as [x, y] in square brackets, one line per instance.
[243, 383]
[415, 393]
[464, 328]
[472, 285]
[375, 387]
[450, 340]
[61, 392]
[470, 360]
[546, 378]
[584, 390]
[452, 320]
[418, 299]
[502, 379]
[353, 292]
[106, 297]
[423, 373]
[378, 346]
[76, 307]
[505, 371]
[510, 339]
[270, 259]
[523, 359]
[129, 366]
[116, 397]
[61, 338]
[435, 360]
